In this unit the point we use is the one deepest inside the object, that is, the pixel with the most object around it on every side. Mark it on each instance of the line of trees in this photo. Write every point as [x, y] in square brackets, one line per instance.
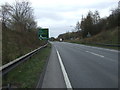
[92, 24]
[18, 16]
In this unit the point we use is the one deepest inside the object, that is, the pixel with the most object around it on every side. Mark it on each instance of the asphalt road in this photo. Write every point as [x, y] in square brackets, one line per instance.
[86, 67]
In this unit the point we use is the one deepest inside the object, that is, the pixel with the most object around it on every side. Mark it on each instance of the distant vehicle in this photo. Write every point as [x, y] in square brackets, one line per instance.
[61, 40]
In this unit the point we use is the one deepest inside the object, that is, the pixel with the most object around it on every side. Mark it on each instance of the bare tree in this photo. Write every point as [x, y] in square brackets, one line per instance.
[5, 16]
[77, 28]
[20, 16]
[96, 17]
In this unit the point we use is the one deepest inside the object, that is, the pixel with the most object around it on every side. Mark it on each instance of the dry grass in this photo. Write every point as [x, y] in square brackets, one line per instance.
[107, 37]
[16, 44]
[0, 60]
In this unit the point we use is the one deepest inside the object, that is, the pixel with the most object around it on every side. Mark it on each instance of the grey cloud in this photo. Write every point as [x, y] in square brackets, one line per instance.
[68, 8]
[48, 14]
[102, 5]
[55, 31]
[53, 13]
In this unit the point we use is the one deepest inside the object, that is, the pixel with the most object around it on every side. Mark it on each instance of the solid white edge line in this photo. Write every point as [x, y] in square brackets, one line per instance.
[95, 54]
[67, 81]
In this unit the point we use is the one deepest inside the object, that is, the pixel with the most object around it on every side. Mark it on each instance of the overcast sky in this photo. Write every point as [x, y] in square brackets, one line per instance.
[61, 16]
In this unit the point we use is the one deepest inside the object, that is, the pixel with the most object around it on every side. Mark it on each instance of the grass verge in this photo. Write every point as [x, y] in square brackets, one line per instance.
[27, 74]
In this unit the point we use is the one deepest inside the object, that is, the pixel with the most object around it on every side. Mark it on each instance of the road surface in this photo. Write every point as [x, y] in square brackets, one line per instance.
[85, 67]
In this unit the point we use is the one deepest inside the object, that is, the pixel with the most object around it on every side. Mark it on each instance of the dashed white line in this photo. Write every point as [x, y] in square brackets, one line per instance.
[104, 49]
[67, 81]
[112, 50]
[95, 54]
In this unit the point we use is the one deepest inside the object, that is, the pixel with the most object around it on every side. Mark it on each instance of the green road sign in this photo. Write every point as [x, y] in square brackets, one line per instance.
[43, 33]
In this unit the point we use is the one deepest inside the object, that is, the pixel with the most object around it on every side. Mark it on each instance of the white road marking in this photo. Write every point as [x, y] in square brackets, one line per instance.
[98, 47]
[101, 48]
[95, 54]
[67, 81]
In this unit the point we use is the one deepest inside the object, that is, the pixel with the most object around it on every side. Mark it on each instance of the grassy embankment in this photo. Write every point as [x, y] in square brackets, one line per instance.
[105, 37]
[0, 46]
[0, 52]
[27, 74]
[16, 44]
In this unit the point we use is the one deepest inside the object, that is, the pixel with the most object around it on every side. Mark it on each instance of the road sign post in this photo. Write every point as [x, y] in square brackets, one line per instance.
[43, 33]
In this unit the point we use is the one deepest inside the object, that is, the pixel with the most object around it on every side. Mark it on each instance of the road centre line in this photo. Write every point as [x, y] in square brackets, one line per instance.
[67, 81]
[112, 50]
[95, 54]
